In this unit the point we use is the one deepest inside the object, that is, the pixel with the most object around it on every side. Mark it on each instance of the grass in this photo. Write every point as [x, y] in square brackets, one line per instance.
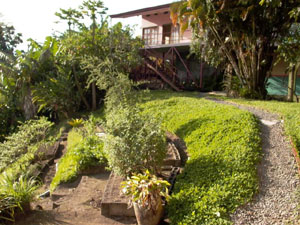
[288, 111]
[224, 146]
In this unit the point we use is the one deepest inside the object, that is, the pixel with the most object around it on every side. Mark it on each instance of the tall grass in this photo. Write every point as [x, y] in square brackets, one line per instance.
[15, 195]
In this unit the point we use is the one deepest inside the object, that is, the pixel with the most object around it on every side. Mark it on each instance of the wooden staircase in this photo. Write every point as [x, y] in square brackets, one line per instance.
[165, 73]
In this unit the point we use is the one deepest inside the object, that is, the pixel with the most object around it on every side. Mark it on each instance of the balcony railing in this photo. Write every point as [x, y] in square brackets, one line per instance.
[161, 38]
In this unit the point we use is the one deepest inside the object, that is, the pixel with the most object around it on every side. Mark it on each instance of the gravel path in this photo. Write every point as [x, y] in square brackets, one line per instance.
[276, 202]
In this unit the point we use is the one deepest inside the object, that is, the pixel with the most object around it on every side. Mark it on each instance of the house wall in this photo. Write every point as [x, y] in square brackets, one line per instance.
[161, 19]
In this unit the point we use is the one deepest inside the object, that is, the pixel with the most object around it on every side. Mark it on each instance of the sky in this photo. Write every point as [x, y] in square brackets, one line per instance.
[35, 18]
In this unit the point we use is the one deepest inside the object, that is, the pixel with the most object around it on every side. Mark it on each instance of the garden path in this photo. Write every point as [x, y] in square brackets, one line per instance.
[277, 202]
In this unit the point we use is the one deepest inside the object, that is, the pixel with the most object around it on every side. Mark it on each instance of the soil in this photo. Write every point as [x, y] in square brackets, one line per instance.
[76, 203]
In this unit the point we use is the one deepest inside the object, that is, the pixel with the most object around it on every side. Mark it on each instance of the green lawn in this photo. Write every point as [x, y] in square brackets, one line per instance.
[288, 111]
[224, 147]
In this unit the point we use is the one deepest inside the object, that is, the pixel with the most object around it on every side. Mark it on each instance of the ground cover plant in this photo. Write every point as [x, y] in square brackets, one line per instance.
[84, 149]
[223, 145]
[288, 111]
[26, 140]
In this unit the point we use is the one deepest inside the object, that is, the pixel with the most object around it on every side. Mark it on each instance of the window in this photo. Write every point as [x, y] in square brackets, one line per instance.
[175, 34]
[170, 34]
[150, 35]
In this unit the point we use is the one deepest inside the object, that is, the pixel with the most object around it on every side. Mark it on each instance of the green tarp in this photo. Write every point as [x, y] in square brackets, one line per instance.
[279, 86]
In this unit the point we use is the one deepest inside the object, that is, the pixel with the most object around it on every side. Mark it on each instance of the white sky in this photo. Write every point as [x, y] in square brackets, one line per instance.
[35, 18]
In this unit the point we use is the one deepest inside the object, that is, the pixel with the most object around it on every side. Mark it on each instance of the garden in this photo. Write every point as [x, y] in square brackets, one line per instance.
[71, 121]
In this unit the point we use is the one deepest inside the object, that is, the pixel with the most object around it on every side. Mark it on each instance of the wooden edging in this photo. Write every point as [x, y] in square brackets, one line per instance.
[296, 154]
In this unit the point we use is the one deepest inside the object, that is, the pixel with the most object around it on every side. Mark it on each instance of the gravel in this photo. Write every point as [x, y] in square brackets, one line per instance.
[277, 201]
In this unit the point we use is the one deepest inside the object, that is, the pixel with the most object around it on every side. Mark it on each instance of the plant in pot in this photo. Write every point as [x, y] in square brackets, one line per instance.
[146, 191]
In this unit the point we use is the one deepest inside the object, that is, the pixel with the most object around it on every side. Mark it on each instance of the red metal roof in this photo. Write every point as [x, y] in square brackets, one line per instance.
[143, 11]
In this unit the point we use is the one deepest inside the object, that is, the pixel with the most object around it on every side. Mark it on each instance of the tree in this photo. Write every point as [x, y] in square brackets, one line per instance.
[9, 39]
[241, 33]
[94, 10]
[72, 16]
[91, 8]
[9, 107]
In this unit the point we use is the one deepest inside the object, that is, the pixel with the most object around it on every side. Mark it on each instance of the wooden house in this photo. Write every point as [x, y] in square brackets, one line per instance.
[167, 52]
[167, 56]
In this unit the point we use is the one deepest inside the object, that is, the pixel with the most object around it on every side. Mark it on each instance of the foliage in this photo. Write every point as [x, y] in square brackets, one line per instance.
[9, 110]
[119, 50]
[9, 39]
[51, 83]
[15, 195]
[288, 50]
[85, 149]
[133, 142]
[223, 145]
[230, 32]
[145, 189]
[17, 144]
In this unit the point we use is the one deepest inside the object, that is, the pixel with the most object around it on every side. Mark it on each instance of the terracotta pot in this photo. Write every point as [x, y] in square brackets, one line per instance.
[148, 217]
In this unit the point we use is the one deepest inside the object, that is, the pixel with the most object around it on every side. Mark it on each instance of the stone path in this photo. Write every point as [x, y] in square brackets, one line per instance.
[277, 202]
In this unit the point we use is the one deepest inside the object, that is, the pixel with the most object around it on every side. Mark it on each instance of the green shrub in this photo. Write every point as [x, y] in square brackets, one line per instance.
[134, 142]
[17, 144]
[15, 195]
[224, 147]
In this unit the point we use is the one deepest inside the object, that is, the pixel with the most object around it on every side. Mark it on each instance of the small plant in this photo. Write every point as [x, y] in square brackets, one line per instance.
[76, 122]
[15, 195]
[145, 189]
[146, 192]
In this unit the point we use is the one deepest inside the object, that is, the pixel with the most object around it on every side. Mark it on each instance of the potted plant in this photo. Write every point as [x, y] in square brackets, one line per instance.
[146, 191]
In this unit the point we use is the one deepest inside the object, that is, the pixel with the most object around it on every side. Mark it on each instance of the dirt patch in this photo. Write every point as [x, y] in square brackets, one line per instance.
[75, 203]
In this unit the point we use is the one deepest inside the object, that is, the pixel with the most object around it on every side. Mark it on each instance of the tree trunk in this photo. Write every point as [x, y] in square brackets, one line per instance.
[292, 83]
[94, 97]
[29, 108]
[80, 89]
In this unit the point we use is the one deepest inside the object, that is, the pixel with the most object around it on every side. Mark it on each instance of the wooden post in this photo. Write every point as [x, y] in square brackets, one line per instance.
[201, 74]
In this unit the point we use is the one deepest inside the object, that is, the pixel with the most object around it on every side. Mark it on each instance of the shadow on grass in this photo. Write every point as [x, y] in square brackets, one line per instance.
[186, 129]
[166, 94]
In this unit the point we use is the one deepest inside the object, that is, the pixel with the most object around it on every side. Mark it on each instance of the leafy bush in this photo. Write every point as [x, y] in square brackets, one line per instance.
[17, 144]
[134, 142]
[7, 123]
[224, 147]
[15, 195]
[85, 149]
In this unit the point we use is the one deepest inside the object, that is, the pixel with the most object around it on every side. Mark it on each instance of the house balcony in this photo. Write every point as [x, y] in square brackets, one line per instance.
[161, 40]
